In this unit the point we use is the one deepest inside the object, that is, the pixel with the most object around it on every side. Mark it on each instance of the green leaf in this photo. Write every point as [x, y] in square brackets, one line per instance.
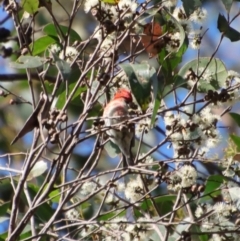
[170, 63]
[177, 25]
[41, 44]
[156, 98]
[75, 100]
[6, 188]
[154, 236]
[44, 211]
[24, 62]
[236, 140]
[182, 226]
[3, 236]
[227, 4]
[63, 66]
[201, 237]
[191, 6]
[30, 6]
[111, 2]
[61, 92]
[212, 183]
[26, 233]
[214, 76]
[229, 32]
[51, 30]
[176, 58]
[3, 208]
[164, 202]
[55, 195]
[108, 216]
[236, 118]
[141, 77]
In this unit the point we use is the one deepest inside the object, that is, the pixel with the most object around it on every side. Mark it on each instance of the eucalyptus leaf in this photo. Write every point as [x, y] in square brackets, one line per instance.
[236, 140]
[41, 44]
[62, 65]
[227, 4]
[191, 6]
[52, 30]
[236, 118]
[141, 77]
[75, 99]
[212, 184]
[213, 77]
[4, 208]
[30, 6]
[44, 211]
[229, 32]
[28, 62]
[182, 226]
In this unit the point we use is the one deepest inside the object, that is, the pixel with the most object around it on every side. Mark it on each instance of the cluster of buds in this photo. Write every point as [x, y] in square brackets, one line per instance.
[195, 189]
[215, 97]
[191, 75]
[162, 173]
[3, 93]
[55, 117]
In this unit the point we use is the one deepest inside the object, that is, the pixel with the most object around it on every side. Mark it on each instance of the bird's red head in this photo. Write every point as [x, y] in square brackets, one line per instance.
[123, 93]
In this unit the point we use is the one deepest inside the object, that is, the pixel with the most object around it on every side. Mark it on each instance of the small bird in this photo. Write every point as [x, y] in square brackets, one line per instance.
[121, 135]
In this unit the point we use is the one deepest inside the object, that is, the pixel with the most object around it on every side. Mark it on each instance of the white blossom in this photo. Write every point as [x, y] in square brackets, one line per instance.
[195, 42]
[126, 236]
[72, 214]
[54, 48]
[120, 186]
[233, 75]
[89, 4]
[173, 44]
[143, 125]
[125, 4]
[199, 211]
[224, 209]
[70, 54]
[216, 237]
[134, 189]
[180, 15]
[88, 188]
[188, 175]
[111, 199]
[199, 15]
[87, 230]
[229, 172]
[116, 223]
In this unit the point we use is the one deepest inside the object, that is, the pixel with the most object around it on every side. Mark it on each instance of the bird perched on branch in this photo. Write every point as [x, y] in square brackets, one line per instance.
[117, 112]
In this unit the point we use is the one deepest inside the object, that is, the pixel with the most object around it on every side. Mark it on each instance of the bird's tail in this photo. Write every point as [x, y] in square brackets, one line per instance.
[128, 160]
